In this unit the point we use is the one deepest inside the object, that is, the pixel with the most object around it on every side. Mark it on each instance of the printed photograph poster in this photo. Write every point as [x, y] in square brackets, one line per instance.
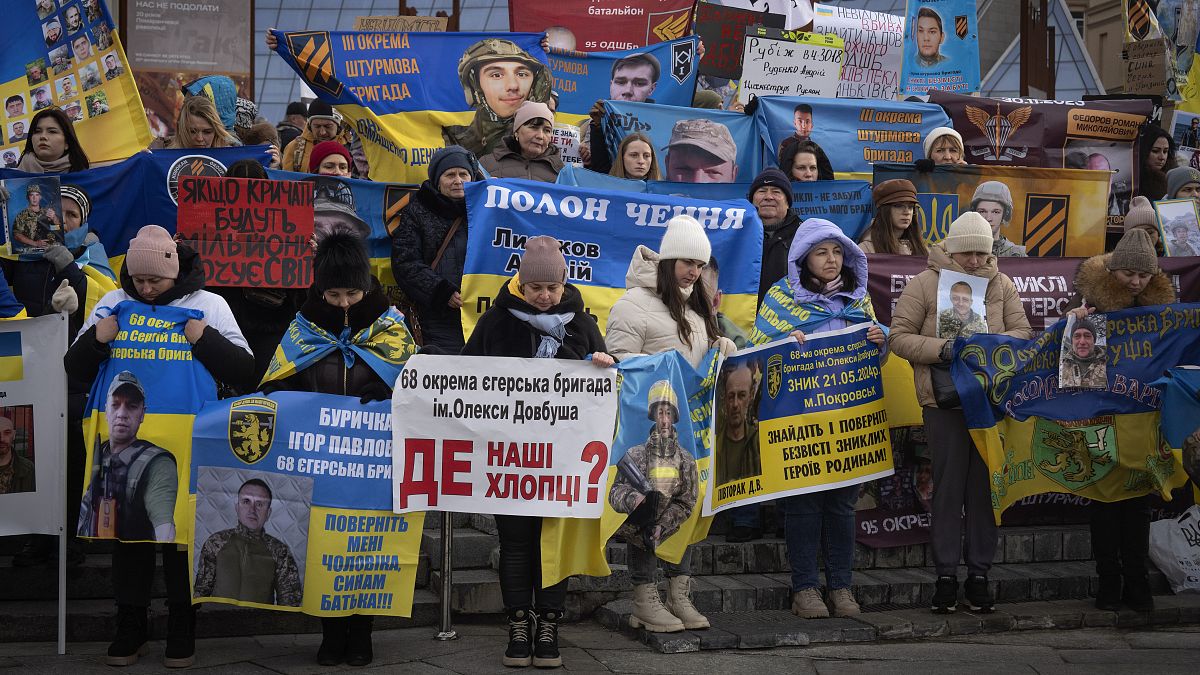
[1177, 226]
[1185, 129]
[33, 387]
[941, 48]
[793, 419]
[960, 306]
[1084, 354]
[874, 45]
[493, 435]
[664, 73]
[32, 214]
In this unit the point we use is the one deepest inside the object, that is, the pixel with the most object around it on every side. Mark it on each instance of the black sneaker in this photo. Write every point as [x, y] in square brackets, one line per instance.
[1108, 595]
[979, 595]
[545, 643]
[945, 597]
[520, 638]
[358, 642]
[741, 534]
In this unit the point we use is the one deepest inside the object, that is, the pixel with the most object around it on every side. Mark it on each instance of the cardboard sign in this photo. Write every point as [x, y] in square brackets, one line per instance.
[400, 24]
[249, 232]
[874, 44]
[1147, 67]
[792, 63]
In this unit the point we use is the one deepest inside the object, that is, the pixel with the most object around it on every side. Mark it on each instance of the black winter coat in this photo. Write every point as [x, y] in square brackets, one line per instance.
[499, 333]
[776, 242]
[34, 282]
[423, 226]
[330, 375]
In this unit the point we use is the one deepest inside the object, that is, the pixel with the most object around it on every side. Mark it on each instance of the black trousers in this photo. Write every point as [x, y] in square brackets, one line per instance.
[521, 566]
[133, 573]
[1121, 536]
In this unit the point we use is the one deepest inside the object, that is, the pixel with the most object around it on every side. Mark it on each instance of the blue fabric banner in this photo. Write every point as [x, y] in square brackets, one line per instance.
[664, 73]
[1181, 405]
[941, 47]
[853, 133]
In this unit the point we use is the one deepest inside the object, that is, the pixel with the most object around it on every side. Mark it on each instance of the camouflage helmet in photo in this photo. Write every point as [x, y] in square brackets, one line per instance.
[492, 50]
[661, 392]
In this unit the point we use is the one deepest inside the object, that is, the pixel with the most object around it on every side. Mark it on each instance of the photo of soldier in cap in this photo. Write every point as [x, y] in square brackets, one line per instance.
[497, 76]
[657, 482]
[134, 483]
[245, 562]
[634, 78]
[41, 97]
[1082, 358]
[35, 71]
[737, 455]
[333, 209]
[36, 225]
[701, 151]
[60, 59]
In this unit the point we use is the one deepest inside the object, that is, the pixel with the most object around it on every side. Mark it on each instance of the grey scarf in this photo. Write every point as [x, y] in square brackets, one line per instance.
[553, 328]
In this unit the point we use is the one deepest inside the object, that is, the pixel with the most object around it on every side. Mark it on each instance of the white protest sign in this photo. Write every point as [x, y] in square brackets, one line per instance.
[775, 63]
[566, 137]
[874, 46]
[527, 437]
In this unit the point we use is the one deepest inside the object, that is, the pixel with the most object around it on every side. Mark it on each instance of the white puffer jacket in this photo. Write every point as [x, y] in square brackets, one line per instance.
[639, 323]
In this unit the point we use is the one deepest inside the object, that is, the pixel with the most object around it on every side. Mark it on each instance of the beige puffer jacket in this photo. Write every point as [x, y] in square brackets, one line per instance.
[639, 323]
[914, 321]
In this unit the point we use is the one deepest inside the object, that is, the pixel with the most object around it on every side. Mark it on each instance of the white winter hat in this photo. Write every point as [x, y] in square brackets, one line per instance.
[969, 233]
[938, 133]
[685, 240]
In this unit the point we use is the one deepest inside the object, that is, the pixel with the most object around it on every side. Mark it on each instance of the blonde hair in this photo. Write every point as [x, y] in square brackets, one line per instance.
[618, 166]
[943, 140]
[203, 108]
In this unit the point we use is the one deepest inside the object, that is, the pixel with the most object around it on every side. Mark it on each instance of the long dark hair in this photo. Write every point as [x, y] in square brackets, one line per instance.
[668, 291]
[793, 146]
[883, 233]
[79, 160]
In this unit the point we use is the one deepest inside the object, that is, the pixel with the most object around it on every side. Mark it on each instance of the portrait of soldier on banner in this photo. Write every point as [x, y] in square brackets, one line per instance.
[736, 442]
[1114, 157]
[17, 462]
[657, 482]
[254, 529]
[1082, 359]
[960, 307]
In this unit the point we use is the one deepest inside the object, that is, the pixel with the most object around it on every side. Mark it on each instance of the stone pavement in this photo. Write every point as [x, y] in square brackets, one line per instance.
[590, 648]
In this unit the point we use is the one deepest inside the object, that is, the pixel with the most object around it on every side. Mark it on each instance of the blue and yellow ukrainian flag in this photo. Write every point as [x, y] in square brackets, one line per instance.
[11, 366]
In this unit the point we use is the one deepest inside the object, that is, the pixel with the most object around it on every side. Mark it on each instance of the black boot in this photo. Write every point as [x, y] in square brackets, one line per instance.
[1135, 553]
[520, 638]
[978, 594]
[358, 646]
[545, 643]
[1109, 593]
[334, 635]
[132, 631]
[945, 595]
[1106, 551]
[181, 636]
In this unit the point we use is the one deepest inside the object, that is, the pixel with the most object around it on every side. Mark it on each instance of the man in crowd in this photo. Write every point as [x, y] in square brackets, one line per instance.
[771, 195]
[321, 126]
[16, 472]
[634, 78]
[293, 123]
[244, 562]
[701, 151]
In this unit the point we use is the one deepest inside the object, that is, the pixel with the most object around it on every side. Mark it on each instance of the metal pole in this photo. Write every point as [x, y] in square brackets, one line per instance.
[62, 591]
[445, 629]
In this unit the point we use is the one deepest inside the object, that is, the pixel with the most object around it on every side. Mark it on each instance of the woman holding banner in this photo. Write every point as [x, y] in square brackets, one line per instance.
[826, 284]
[666, 307]
[638, 159]
[960, 476]
[1127, 277]
[347, 340]
[536, 315]
[894, 230]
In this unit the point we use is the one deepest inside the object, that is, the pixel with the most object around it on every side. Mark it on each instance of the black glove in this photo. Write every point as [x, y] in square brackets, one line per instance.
[924, 165]
[271, 387]
[751, 106]
[376, 391]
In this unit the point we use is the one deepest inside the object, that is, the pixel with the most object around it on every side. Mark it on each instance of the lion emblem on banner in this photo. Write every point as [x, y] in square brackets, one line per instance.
[1075, 457]
[774, 375]
[252, 428]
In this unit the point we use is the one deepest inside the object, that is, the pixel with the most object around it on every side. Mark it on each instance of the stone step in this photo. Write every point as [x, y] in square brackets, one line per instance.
[760, 629]
[478, 591]
[472, 548]
[95, 620]
[433, 520]
[93, 580]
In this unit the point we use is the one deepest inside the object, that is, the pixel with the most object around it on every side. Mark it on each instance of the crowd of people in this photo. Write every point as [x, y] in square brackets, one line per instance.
[672, 302]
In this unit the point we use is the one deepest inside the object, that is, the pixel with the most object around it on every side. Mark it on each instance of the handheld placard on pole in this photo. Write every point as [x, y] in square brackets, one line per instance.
[445, 628]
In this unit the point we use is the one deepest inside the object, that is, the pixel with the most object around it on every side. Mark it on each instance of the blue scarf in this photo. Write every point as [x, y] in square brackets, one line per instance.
[780, 314]
[553, 328]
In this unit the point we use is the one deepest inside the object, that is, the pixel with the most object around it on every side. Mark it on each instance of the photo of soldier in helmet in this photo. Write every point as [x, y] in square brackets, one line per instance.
[497, 76]
[657, 482]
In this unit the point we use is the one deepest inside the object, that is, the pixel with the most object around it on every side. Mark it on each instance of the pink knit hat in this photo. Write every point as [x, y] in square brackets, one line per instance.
[153, 253]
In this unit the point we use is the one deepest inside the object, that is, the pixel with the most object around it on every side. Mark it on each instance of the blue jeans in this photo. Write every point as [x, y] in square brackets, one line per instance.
[820, 518]
[746, 516]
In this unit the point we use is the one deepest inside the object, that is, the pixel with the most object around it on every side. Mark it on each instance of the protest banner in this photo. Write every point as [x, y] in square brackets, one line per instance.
[779, 63]
[1052, 212]
[83, 55]
[874, 45]
[1104, 445]
[33, 386]
[521, 437]
[248, 232]
[663, 444]
[723, 30]
[846, 202]
[566, 137]
[599, 231]
[602, 25]
[664, 73]
[784, 14]
[1149, 67]
[401, 24]
[139, 413]
[408, 94]
[941, 47]
[696, 145]
[292, 497]
[793, 419]
[853, 134]
[1175, 22]
[1181, 415]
